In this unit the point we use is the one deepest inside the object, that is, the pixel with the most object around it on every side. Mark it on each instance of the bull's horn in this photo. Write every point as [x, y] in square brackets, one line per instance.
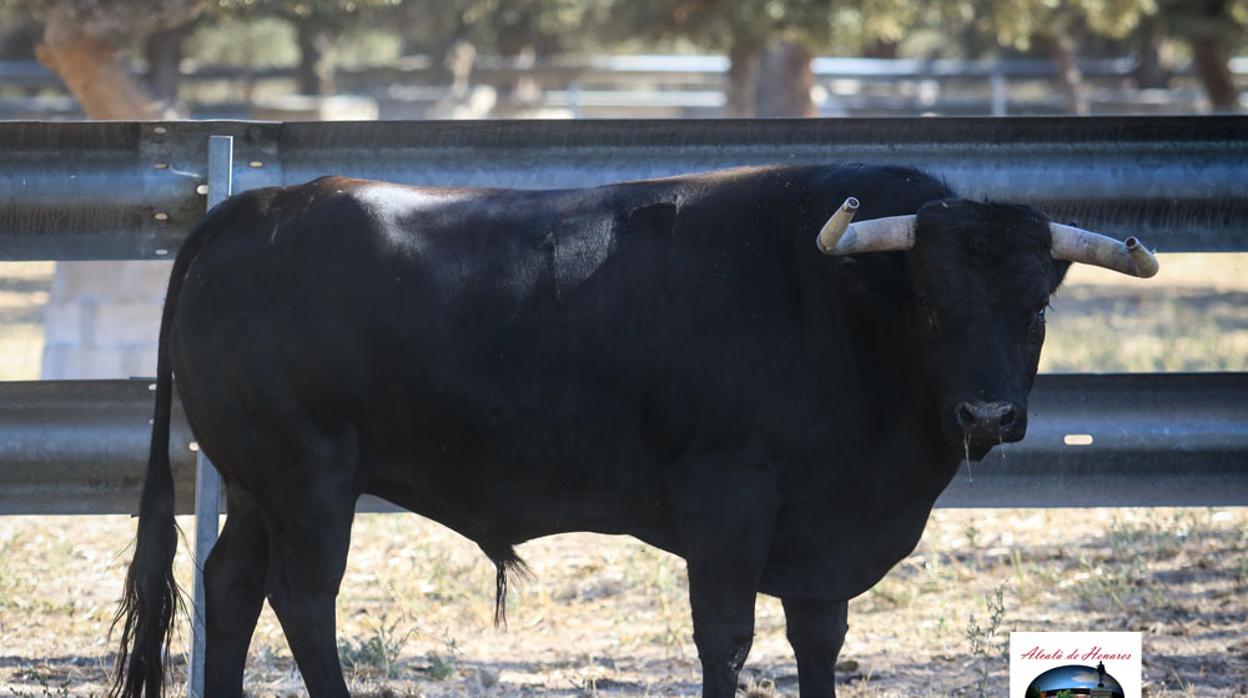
[890, 234]
[832, 231]
[1078, 245]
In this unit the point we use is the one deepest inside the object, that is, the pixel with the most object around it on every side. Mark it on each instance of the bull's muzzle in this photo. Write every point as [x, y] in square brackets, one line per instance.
[990, 423]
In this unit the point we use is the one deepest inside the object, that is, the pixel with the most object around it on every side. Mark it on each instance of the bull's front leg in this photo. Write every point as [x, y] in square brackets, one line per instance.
[727, 519]
[816, 630]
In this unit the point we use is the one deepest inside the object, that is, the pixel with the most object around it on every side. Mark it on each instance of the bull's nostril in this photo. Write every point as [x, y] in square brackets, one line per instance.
[1009, 416]
[987, 416]
[966, 416]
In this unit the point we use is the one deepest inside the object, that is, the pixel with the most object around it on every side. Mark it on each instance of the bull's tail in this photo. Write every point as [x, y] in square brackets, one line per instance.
[151, 597]
[508, 567]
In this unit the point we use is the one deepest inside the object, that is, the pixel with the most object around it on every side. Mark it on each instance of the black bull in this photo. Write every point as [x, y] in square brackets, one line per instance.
[671, 359]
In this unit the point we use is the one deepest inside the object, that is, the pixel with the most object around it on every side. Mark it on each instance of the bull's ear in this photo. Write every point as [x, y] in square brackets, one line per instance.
[658, 218]
[1060, 267]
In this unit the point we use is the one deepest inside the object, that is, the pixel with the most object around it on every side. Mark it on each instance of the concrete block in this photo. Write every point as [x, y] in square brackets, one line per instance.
[96, 363]
[126, 324]
[103, 319]
[139, 361]
[62, 323]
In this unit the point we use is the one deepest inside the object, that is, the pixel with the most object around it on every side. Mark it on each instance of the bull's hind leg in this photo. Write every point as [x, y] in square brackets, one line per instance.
[234, 584]
[816, 630]
[309, 524]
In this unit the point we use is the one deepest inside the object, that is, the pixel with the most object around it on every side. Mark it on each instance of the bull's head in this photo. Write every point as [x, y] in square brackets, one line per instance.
[982, 274]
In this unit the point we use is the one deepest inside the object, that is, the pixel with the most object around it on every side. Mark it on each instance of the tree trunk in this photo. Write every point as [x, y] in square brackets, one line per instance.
[96, 76]
[742, 73]
[1212, 55]
[784, 82]
[163, 51]
[879, 48]
[315, 74]
[1151, 72]
[458, 63]
[1066, 61]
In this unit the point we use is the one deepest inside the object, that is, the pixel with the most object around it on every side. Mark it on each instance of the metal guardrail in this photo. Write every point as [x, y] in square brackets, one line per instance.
[1137, 439]
[674, 86]
[129, 190]
[688, 70]
[80, 447]
[657, 85]
[650, 68]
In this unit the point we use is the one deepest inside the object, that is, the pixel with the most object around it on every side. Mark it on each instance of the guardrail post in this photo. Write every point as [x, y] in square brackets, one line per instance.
[1000, 97]
[207, 480]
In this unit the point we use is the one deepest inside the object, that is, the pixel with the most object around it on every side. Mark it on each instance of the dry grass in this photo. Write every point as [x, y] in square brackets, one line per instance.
[23, 293]
[608, 616]
[1192, 317]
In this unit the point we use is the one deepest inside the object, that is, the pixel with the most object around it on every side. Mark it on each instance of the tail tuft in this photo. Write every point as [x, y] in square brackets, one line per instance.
[151, 597]
[508, 567]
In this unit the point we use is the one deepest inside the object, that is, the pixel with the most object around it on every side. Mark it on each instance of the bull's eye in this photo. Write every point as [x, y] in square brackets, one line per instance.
[1035, 329]
[929, 315]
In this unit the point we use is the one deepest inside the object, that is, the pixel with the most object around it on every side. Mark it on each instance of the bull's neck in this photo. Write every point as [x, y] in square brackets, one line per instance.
[865, 345]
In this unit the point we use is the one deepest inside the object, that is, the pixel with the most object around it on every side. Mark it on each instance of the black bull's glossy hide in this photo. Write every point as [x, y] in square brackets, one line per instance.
[670, 359]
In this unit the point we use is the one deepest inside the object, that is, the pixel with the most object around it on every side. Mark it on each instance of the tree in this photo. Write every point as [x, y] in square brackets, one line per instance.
[453, 31]
[163, 52]
[769, 43]
[1211, 28]
[788, 32]
[1150, 70]
[316, 24]
[785, 82]
[503, 27]
[741, 29]
[81, 43]
[1056, 26]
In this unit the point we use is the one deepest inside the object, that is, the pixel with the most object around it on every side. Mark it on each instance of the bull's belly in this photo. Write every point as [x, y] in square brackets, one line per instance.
[504, 491]
[503, 520]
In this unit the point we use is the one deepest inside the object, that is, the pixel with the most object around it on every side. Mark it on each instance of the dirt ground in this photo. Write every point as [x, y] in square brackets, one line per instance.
[608, 616]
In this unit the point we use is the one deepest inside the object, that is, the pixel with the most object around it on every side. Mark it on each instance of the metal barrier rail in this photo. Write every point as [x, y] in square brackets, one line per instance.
[80, 447]
[129, 190]
[676, 85]
[706, 70]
